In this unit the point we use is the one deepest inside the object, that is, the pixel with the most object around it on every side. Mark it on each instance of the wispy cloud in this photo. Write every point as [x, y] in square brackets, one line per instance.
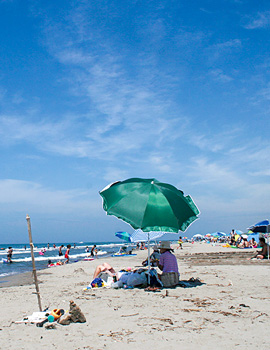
[3, 92]
[219, 75]
[222, 50]
[27, 195]
[261, 20]
[262, 172]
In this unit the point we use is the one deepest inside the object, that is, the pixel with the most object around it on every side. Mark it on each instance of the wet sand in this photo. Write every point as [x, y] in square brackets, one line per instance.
[231, 309]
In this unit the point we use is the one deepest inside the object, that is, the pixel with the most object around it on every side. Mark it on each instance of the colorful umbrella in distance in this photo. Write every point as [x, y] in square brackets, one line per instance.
[260, 226]
[149, 205]
[125, 236]
[263, 227]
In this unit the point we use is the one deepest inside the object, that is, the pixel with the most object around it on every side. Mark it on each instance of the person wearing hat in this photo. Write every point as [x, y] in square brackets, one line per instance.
[168, 265]
[154, 257]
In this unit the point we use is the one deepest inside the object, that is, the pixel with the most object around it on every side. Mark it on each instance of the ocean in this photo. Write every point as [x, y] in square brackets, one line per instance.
[22, 262]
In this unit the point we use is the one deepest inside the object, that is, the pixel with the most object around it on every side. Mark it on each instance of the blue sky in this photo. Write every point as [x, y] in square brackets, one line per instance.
[92, 92]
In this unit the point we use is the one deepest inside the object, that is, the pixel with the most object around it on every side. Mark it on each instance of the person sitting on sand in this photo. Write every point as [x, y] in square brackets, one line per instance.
[244, 243]
[168, 265]
[253, 243]
[50, 263]
[154, 257]
[105, 267]
[263, 254]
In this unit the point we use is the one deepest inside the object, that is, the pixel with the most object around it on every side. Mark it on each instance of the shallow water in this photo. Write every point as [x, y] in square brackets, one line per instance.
[22, 262]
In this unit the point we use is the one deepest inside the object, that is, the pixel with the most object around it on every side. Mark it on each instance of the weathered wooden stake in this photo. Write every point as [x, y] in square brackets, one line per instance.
[33, 261]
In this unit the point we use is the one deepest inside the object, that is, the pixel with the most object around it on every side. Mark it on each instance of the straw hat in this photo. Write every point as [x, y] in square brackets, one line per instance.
[165, 245]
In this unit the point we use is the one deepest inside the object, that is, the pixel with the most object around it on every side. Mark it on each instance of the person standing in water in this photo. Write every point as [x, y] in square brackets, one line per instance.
[67, 253]
[9, 254]
[60, 253]
[94, 250]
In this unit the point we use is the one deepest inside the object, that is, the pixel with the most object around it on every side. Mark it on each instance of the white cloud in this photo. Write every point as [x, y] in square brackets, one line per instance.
[262, 20]
[30, 196]
[219, 75]
[216, 174]
[160, 164]
[222, 50]
[114, 174]
[263, 172]
[265, 93]
[2, 93]
[230, 44]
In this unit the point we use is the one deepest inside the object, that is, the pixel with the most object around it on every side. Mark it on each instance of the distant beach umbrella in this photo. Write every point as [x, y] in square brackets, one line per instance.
[254, 235]
[222, 234]
[125, 236]
[197, 236]
[261, 226]
[218, 234]
[141, 236]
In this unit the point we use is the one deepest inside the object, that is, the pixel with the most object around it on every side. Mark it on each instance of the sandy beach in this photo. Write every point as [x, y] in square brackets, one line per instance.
[230, 310]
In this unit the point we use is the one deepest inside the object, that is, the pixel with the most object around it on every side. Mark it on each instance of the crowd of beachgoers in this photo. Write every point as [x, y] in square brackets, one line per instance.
[55, 255]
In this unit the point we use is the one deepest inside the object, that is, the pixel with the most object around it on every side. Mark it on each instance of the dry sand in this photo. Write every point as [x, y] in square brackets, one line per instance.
[230, 311]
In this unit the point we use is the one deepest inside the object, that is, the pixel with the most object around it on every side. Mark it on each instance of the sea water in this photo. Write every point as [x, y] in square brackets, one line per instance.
[22, 261]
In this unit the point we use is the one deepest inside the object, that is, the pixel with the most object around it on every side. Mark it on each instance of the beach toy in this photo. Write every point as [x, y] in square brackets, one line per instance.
[51, 318]
[41, 253]
[56, 313]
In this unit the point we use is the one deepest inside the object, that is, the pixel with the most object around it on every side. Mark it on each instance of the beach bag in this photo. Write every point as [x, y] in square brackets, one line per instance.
[154, 280]
[106, 278]
[137, 279]
[169, 279]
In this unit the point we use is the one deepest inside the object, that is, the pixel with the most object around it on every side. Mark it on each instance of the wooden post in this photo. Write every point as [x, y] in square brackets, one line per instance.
[267, 231]
[33, 261]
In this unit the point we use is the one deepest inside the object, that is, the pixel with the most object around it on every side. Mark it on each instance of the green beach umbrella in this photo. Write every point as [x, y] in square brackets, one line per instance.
[149, 205]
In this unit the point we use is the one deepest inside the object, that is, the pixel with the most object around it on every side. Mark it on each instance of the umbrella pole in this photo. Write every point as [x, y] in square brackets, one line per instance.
[33, 261]
[148, 246]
